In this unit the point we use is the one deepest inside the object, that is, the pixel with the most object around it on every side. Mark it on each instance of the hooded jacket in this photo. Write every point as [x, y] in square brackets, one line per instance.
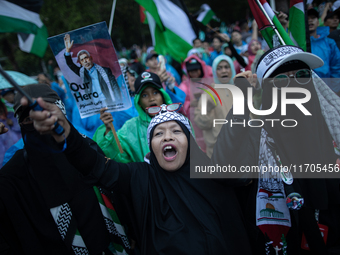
[327, 50]
[188, 87]
[132, 136]
[185, 85]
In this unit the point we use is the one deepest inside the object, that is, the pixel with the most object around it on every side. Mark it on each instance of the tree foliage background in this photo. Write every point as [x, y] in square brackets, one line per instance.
[62, 16]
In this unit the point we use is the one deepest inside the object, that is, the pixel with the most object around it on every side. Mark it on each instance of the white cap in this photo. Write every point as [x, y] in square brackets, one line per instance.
[275, 57]
[336, 5]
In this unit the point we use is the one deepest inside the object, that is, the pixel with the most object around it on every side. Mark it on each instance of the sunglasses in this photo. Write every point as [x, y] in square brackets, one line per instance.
[170, 108]
[302, 77]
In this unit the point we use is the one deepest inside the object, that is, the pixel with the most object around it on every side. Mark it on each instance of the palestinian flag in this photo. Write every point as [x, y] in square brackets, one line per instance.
[120, 243]
[32, 33]
[267, 194]
[261, 9]
[205, 15]
[171, 29]
[142, 15]
[297, 28]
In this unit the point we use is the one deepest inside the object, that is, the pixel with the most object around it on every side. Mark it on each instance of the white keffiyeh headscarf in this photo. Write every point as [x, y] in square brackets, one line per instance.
[165, 116]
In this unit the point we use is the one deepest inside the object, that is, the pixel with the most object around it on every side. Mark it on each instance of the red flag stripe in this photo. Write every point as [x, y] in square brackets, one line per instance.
[142, 13]
[107, 202]
[260, 18]
[294, 2]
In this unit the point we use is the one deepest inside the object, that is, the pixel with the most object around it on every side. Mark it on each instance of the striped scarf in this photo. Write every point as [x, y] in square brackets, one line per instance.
[125, 70]
[119, 242]
[100, 70]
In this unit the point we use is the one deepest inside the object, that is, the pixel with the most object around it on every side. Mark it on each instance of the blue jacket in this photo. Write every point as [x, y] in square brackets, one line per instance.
[328, 51]
[12, 150]
[174, 73]
[215, 54]
[61, 93]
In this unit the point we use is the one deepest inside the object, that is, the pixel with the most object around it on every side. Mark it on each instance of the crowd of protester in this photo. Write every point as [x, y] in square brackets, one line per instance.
[142, 201]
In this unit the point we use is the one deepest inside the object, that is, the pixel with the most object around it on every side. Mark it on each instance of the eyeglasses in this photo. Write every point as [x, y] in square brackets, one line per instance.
[170, 108]
[302, 77]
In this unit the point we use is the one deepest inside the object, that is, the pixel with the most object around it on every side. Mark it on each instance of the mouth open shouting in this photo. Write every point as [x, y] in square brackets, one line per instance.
[169, 152]
[170, 145]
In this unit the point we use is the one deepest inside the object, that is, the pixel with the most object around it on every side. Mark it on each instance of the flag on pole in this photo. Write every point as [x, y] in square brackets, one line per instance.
[297, 28]
[142, 15]
[171, 29]
[268, 22]
[32, 33]
[205, 15]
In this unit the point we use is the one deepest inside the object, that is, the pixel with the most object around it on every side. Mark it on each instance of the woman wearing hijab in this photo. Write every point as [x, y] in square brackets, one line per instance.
[196, 70]
[286, 212]
[253, 47]
[172, 213]
[224, 73]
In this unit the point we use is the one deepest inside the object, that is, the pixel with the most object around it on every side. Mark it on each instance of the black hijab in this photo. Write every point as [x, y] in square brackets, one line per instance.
[37, 179]
[308, 143]
[191, 216]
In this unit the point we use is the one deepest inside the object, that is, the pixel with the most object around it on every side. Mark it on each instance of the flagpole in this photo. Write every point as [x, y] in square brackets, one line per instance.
[112, 15]
[270, 21]
[272, 4]
[308, 46]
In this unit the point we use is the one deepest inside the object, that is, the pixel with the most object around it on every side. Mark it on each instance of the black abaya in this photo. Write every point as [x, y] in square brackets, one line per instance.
[173, 214]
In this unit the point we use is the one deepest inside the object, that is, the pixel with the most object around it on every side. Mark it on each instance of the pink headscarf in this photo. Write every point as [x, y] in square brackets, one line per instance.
[250, 52]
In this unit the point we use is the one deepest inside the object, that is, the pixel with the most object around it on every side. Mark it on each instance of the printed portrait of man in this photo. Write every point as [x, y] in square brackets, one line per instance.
[95, 77]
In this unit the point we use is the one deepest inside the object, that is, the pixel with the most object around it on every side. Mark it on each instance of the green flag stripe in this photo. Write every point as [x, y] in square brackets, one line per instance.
[112, 213]
[268, 34]
[297, 26]
[171, 43]
[40, 42]
[13, 25]
[208, 17]
[282, 32]
[118, 247]
[151, 7]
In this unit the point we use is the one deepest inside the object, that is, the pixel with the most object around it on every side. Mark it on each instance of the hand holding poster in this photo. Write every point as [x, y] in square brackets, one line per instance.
[88, 60]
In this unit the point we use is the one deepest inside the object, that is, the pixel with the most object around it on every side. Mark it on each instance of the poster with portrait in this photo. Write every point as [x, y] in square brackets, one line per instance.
[89, 63]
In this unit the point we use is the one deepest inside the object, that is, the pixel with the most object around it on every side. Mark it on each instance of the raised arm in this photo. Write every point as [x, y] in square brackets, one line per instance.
[95, 167]
[328, 6]
[238, 57]
[68, 45]
[254, 35]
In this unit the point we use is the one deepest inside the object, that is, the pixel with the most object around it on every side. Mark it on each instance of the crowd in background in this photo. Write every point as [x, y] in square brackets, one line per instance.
[218, 55]
[241, 45]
